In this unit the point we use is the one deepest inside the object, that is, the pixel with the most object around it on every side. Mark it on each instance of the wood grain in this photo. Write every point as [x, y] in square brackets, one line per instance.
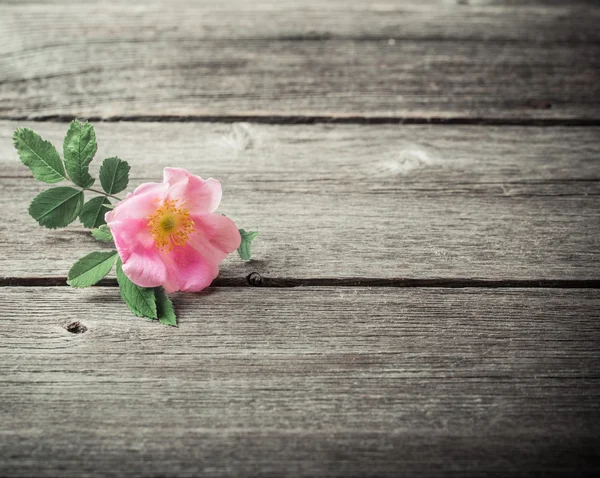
[419, 60]
[350, 201]
[329, 380]
[304, 382]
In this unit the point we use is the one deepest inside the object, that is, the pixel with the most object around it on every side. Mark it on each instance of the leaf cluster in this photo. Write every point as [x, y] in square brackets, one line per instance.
[149, 302]
[60, 206]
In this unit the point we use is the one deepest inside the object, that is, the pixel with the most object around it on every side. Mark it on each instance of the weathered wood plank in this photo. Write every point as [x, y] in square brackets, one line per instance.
[425, 60]
[309, 382]
[535, 21]
[354, 201]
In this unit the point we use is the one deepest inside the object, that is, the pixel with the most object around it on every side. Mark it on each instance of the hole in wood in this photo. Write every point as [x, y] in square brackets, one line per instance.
[255, 279]
[76, 328]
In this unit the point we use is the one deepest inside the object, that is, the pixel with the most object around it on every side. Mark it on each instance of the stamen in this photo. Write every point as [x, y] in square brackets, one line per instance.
[170, 226]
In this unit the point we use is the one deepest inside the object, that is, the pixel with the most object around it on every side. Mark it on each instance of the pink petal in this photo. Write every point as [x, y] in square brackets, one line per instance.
[188, 270]
[130, 234]
[215, 231]
[145, 267]
[141, 204]
[198, 195]
[135, 245]
[193, 267]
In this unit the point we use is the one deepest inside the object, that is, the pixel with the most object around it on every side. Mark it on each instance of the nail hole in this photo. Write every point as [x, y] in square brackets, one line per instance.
[76, 328]
[255, 279]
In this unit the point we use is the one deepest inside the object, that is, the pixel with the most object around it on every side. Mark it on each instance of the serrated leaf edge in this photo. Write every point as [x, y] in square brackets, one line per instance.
[61, 174]
[100, 229]
[135, 310]
[75, 215]
[161, 294]
[114, 176]
[106, 201]
[84, 165]
[113, 255]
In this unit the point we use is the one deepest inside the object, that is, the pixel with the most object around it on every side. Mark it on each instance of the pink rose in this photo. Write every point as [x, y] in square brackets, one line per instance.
[167, 234]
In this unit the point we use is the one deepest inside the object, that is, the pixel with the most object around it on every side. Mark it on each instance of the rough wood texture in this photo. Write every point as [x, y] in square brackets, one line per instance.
[354, 201]
[303, 382]
[328, 380]
[423, 60]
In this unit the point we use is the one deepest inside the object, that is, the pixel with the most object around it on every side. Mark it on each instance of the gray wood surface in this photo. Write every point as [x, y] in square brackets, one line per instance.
[304, 382]
[479, 357]
[413, 60]
[351, 201]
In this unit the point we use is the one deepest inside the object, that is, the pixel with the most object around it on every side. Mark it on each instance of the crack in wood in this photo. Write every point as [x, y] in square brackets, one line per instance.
[257, 280]
[314, 119]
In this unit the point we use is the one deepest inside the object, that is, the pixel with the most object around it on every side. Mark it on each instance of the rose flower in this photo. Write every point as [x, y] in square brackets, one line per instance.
[167, 234]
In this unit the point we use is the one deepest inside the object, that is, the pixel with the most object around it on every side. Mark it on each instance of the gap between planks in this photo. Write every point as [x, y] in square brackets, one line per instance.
[315, 119]
[255, 279]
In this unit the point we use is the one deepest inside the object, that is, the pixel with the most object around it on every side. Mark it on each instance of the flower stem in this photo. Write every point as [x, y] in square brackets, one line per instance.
[103, 193]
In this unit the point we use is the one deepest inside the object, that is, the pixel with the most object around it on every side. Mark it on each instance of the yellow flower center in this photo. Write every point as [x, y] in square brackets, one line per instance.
[170, 226]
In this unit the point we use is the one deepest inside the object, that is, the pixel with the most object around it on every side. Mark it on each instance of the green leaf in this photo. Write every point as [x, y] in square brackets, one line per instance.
[39, 156]
[56, 207]
[164, 308]
[244, 249]
[140, 300]
[114, 175]
[90, 269]
[102, 234]
[79, 149]
[93, 211]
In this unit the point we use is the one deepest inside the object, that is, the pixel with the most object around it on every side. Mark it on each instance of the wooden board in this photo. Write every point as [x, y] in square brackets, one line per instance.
[538, 21]
[311, 381]
[419, 61]
[480, 354]
[351, 201]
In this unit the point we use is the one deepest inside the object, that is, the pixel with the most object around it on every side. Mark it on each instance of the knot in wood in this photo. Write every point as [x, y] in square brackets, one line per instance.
[76, 328]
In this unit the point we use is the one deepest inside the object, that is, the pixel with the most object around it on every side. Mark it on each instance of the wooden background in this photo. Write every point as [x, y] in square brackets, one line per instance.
[424, 297]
